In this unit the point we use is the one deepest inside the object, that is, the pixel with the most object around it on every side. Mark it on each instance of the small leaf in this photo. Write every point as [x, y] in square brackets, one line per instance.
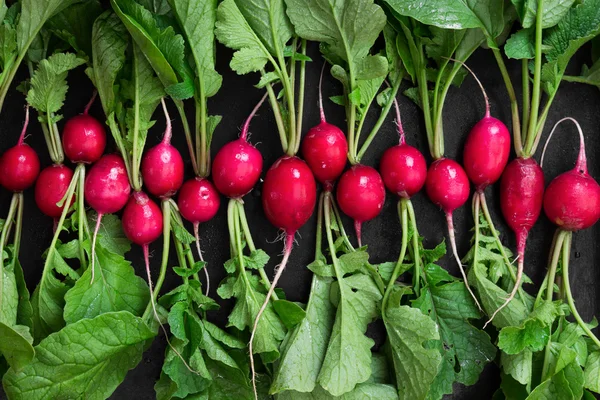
[290, 313]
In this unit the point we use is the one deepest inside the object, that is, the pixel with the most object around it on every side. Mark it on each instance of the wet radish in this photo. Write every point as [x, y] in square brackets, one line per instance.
[84, 137]
[20, 164]
[50, 188]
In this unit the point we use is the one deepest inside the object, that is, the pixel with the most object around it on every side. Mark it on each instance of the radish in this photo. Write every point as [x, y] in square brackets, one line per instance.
[325, 148]
[403, 167]
[84, 137]
[51, 187]
[198, 202]
[447, 186]
[238, 165]
[487, 147]
[20, 164]
[162, 165]
[361, 194]
[106, 191]
[289, 196]
[572, 199]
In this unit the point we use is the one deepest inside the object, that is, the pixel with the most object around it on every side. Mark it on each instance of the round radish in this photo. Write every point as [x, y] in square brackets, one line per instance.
[84, 137]
[142, 219]
[572, 199]
[162, 165]
[106, 191]
[198, 200]
[360, 194]
[403, 167]
[325, 148]
[447, 186]
[50, 188]
[487, 147]
[238, 165]
[20, 164]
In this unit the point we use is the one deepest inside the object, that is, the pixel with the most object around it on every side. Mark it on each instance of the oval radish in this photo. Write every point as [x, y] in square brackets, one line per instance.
[325, 148]
[360, 194]
[142, 220]
[20, 164]
[50, 188]
[106, 190]
[162, 165]
[84, 137]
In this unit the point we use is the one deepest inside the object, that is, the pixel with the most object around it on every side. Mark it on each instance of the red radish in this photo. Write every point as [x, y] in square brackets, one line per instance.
[84, 137]
[403, 167]
[198, 202]
[572, 199]
[487, 147]
[238, 165]
[20, 164]
[361, 194]
[325, 148]
[50, 188]
[106, 191]
[447, 186]
[289, 197]
[162, 165]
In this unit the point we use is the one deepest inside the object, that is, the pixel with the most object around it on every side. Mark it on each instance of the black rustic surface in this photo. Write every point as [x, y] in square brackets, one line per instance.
[464, 107]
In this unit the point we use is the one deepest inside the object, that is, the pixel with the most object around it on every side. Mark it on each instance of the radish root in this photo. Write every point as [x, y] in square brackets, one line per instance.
[197, 236]
[581, 164]
[450, 223]
[485, 96]
[289, 242]
[96, 229]
[246, 126]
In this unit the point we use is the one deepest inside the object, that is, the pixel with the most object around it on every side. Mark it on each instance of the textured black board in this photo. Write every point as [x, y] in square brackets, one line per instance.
[464, 107]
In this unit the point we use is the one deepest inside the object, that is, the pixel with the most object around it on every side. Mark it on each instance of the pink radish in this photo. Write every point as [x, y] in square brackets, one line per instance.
[20, 164]
[447, 186]
[50, 188]
[238, 165]
[162, 165]
[106, 191]
[360, 194]
[325, 148]
[198, 202]
[84, 137]
[142, 222]
[289, 196]
[403, 167]
[487, 147]
[572, 199]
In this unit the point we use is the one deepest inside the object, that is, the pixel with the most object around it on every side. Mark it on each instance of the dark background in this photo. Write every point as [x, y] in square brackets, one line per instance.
[464, 107]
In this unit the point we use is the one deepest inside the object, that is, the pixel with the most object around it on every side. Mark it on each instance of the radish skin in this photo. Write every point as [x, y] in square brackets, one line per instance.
[50, 188]
[84, 137]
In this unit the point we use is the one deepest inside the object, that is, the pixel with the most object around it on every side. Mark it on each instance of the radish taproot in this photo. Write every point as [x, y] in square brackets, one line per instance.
[84, 137]
[51, 187]
[162, 165]
[106, 190]
[20, 165]
[325, 148]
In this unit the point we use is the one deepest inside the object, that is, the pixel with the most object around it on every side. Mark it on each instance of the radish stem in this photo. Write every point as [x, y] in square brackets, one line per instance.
[81, 214]
[98, 221]
[403, 214]
[197, 237]
[89, 104]
[4, 238]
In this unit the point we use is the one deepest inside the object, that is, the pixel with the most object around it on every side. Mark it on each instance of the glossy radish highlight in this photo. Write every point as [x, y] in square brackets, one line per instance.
[162, 165]
[20, 164]
[289, 197]
[325, 148]
[51, 187]
[447, 186]
[106, 190]
[84, 137]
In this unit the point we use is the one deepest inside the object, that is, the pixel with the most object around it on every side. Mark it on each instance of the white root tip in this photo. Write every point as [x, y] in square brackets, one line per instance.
[513, 291]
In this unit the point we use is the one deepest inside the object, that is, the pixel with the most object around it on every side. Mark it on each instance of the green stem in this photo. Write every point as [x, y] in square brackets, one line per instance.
[18, 226]
[278, 117]
[319, 232]
[81, 217]
[514, 106]
[288, 91]
[415, 245]
[49, 143]
[136, 180]
[59, 149]
[526, 99]
[337, 269]
[384, 113]
[403, 214]
[537, 75]
[542, 122]
[301, 81]
[116, 133]
[3, 239]
[438, 120]
[424, 94]
[188, 135]
[201, 138]
[567, 288]
[231, 215]
[340, 223]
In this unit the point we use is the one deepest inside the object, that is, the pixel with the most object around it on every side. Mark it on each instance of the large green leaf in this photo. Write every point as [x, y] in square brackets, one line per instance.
[363, 391]
[268, 20]
[73, 25]
[34, 14]
[86, 359]
[15, 345]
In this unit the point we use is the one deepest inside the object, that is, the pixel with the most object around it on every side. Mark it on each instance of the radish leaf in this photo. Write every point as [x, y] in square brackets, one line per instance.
[86, 359]
[363, 391]
[592, 372]
[73, 25]
[16, 346]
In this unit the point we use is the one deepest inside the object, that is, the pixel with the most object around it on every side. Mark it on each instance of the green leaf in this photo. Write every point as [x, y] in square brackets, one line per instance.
[592, 372]
[73, 25]
[48, 301]
[182, 234]
[354, 261]
[533, 334]
[348, 358]
[34, 14]
[24, 309]
[363, 391]
[116, 287]
[518, 366]
[565, 384]
[197, 21]
[269, 21]
[48, 83]
[520, 45]
[10, 299]
[304, 349]
[349, 28]
[8, 44]
[86, 359]
[415, 363]
[289, 312]
[270, 330]
[553, 12]
[257, 259]
[109, 42]
[15, 345]
[187, 272]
